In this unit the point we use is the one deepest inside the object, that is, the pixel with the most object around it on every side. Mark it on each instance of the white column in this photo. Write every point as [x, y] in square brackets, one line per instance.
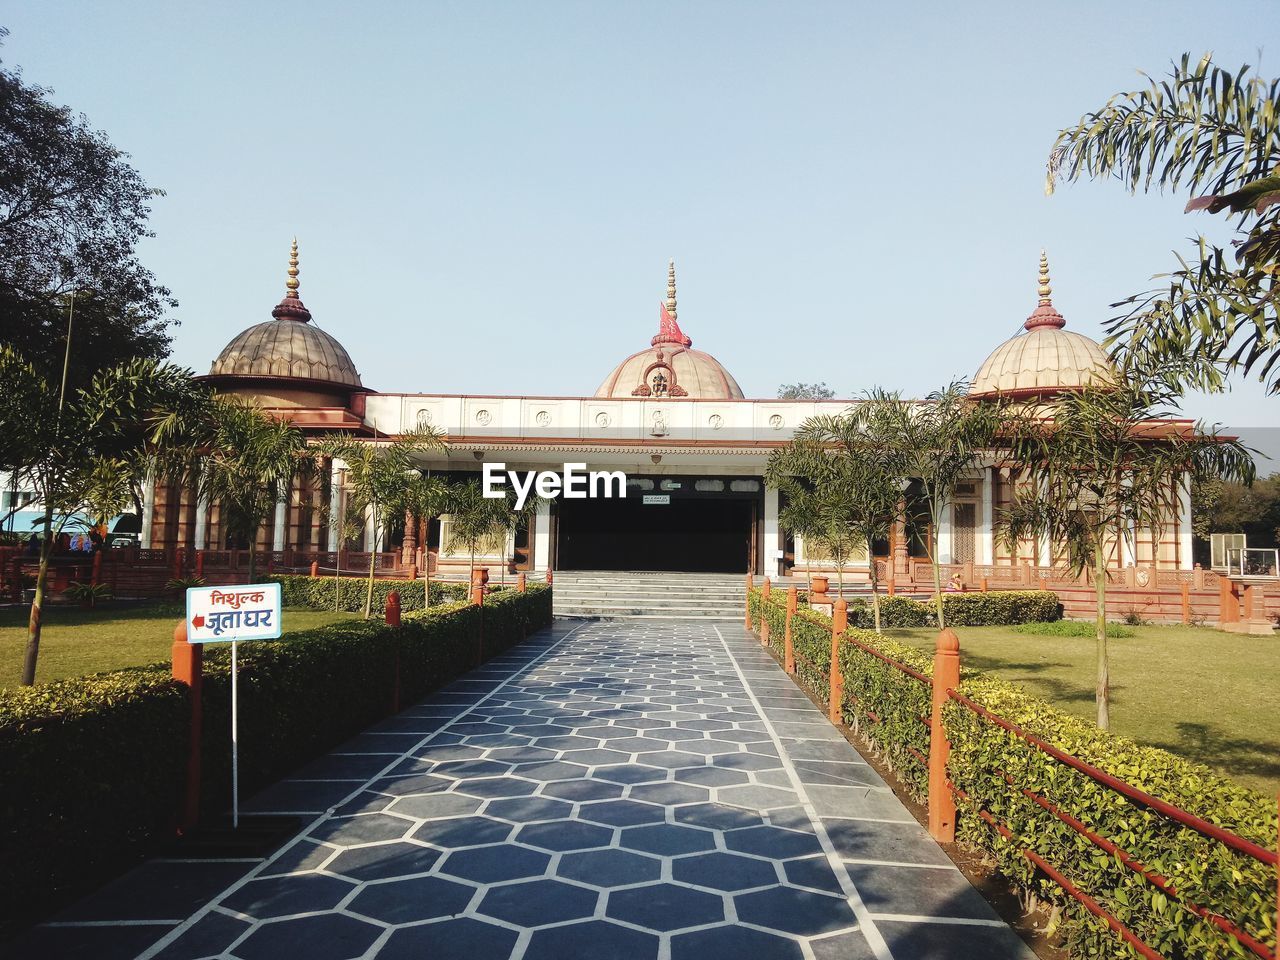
[202, 515]
[282, 519]
[542, 535]
[148, 510]
[1184, 526]
[944, 534]
[987, 522]
[335, 504]
[772, 535]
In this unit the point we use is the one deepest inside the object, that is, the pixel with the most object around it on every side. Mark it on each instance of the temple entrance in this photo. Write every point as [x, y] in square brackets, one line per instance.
[692, 525]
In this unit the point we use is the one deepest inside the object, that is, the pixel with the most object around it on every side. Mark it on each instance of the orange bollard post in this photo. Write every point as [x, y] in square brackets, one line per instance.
[788, 649]
[315, 568]
[835, 694]
[548, 576]
[187, 668]
[985, 585]
[946, 676]
[393, 609]
[1186, 603]
[392, 616]
[521, 586]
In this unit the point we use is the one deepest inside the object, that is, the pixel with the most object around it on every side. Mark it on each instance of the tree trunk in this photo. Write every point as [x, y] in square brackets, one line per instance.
[253, 554]
[875, 588]
[373, 557]
[426, 563]
[37, 602]
[1102, 692]
[937, 574]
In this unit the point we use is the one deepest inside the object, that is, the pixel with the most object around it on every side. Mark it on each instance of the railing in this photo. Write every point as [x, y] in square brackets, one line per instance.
[944, 686]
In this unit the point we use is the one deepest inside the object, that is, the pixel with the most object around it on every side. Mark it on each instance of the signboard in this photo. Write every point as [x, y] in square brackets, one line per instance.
[660, 498]
[224, 614]
[227, 615]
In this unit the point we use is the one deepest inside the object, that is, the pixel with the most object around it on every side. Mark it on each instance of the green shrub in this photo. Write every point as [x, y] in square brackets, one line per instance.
[891, 709]
[318, 592]
[1203, 871]
[997, 608]
[92, 769]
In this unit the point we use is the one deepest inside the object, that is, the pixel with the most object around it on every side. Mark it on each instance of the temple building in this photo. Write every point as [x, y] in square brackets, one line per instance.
[672, 417]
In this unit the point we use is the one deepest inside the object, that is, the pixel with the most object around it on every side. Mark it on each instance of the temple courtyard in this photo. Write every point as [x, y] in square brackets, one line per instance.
[612, 790]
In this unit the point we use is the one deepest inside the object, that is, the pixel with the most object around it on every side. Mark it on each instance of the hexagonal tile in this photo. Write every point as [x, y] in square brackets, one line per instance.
[500, 740]
[566, 742]
[665, 906]
[671, 759]
[565, 835]
[365, 828]
[733, 941]
[609, 868]
[487, 787]
[632, 744]
[755, 796]
[598, 756]
[472, 768]
[406, 785]
[281, 896]
[551, 770]
[495, 864]
[669, 793]
[621, 813]
[597, 939]
[539, 902]
[717, 817]
[462, 939]
[631, 773]
[435, 806]
[464, 832]
[417, 898]
[513, 755]
[667, 839]
[724, 871]
[801, 912]
[713, 776]
[397, 859]
[529, 809]
[328, 937]
[773, 842]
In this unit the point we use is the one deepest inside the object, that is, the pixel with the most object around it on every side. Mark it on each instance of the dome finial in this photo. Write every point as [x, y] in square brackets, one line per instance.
[1044, 315]
[671, 288]
[291, 285]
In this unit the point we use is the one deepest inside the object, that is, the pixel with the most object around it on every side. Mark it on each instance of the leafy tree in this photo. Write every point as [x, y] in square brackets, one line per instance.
[382, 476]
[66, 446]
[1214, 133]
[938, 442]
[850, 490]
[478, 522]
[806, 391]
[72, 211]
[428, 498]
[248, 461]
[1097, 469]
[1222, 507]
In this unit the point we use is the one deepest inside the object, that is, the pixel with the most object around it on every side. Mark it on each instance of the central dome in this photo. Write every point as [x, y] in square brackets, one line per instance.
[670, 367]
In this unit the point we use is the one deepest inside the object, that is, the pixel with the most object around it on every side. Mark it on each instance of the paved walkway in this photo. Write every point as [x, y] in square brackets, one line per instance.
[605, 791]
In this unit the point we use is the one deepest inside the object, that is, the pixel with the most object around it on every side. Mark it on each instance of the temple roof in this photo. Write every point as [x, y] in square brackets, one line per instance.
[670, 367]
[289, 346]
[1045, 358]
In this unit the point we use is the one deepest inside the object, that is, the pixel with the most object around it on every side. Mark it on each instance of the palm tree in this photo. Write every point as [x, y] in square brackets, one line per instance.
[938, 442]
[249, 459]
[1099, 468]
[476, 520]
[382, 477]
[428, 498]
[849, 490]
[57, 445]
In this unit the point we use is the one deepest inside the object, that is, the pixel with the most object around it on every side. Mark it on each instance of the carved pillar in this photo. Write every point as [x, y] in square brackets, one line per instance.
[408, 549]
[898, 546]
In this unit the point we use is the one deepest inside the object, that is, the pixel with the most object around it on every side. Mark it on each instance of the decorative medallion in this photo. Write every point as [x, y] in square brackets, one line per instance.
[602, 419]
[424, 419]
[715, 421]
[659, 423]
[776, 421]
[543, 418]
[484, 417]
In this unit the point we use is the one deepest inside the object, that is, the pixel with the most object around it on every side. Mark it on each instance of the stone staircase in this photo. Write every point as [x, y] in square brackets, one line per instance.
[625, 595]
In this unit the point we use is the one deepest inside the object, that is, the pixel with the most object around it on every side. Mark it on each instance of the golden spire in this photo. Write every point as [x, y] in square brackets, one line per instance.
[292, 283]
[671, 288]
[1045, 289]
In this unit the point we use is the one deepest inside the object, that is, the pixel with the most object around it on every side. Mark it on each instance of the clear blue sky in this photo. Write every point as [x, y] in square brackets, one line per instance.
[486, 194]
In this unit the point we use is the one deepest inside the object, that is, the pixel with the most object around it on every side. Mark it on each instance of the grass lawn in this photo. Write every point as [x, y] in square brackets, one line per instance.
[1195, 691]
[75, 642]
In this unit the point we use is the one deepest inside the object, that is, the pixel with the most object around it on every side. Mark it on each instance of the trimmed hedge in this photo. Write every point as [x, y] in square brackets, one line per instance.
[886, 706]
[92, 769]
[994, 609]
[297, 590]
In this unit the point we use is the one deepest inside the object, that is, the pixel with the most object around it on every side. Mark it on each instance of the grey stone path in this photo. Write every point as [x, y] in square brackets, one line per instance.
[605, 791]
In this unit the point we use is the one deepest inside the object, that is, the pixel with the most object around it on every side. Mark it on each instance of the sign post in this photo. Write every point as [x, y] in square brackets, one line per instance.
[229, 615]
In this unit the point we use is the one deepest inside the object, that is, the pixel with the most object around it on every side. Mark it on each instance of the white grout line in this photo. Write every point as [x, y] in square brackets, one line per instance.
[464, 709]
[866, 922]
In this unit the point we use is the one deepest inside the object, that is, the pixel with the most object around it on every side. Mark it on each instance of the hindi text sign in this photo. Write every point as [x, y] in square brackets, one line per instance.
[223, 614]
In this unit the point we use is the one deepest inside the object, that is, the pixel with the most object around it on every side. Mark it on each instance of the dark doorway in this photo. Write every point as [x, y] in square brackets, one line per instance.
[695, 534]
